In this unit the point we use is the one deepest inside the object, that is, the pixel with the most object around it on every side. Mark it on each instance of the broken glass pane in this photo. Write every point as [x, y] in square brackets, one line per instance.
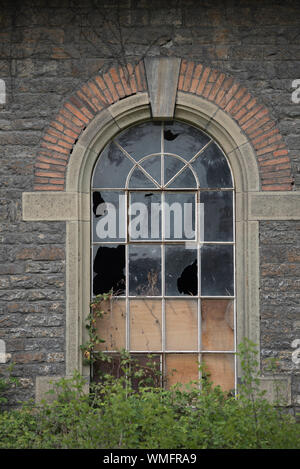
[183, 139]
[217, 270]
[179, 216]
[145, 216]
[141, 140]
[111, 169]
[109, 216]
[218, 215]
[181, 271]
[144, 270]
[212, 168]
[109, 269]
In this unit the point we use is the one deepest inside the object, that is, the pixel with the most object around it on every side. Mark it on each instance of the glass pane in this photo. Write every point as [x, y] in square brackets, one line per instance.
[141, 140]
[109, 216]
[218, 215]
[144, 270]
[217, 324]
[181, 271]
[111, 365]
[217, 270]
[139, 180]
[220, 368]
[184, 180]
[111, 169]
[145, 216]
[112, 326]
[181, 325]
[171, 167]
[145, 325]
[179, 216]
[183, 139]
[109, 269]
[152, 165]
[181, 368]
[212, 168]
[150, 365]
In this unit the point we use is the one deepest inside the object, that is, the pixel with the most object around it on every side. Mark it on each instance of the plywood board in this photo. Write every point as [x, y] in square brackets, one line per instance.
[220, 368]
[181, 325]
[145, 325]
[217, 324]
[112, 327]
[181, 368]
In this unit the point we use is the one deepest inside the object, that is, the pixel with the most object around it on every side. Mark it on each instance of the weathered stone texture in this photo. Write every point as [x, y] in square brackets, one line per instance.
[280, 296]
[48, 50]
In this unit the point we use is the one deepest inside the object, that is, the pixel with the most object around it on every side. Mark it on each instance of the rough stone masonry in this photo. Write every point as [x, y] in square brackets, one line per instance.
[49, 49]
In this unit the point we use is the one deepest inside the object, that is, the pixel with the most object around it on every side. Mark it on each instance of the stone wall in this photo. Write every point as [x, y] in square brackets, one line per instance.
[48, 50]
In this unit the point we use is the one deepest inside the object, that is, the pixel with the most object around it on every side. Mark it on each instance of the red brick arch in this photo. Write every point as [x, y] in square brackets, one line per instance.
[103, 90]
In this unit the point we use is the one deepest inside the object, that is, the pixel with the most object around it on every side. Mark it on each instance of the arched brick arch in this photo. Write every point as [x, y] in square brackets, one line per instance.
[103, 90]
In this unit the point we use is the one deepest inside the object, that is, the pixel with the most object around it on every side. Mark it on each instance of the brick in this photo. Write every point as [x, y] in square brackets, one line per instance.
[203, 80]
[188, 76]
[48, 187]
[111, 87]
[132, 81]
[216, 86]
[124, 76]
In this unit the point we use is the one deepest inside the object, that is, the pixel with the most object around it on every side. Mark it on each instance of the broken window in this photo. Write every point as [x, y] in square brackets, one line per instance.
[163, 241]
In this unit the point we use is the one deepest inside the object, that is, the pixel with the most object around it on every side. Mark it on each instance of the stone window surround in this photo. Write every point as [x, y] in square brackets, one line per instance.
[73, 206]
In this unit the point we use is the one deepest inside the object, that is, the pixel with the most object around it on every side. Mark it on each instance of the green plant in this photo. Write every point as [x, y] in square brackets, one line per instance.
[90, 355]
[7, 380]
[117, 413]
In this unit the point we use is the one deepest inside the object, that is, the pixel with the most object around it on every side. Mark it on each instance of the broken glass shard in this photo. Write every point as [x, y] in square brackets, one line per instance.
[181, 271]
[141, 140]
[183, 139]
[109, 216]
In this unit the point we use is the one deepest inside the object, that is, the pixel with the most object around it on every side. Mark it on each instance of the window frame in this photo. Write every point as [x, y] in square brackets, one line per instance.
[164, 351]
[225, 131]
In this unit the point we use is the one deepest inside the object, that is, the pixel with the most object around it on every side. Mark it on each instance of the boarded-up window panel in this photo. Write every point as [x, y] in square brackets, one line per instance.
[217, 325]
[145, 325]
[181, 368]
[220, 368]
[112, 326]
[181, 325]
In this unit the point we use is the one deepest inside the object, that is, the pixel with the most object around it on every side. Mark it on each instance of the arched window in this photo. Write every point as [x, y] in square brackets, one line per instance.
[163, 239]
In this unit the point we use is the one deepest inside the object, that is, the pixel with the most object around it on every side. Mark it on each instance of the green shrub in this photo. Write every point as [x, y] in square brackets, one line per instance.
[116, 415]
